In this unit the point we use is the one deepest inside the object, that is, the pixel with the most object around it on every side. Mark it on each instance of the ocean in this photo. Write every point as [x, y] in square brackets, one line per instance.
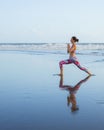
[53, 48]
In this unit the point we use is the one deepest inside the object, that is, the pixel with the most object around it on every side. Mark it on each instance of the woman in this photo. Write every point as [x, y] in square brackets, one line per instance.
[72, 59]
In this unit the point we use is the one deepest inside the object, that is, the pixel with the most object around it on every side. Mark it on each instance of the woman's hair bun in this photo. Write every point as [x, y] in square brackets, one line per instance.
[75, 39]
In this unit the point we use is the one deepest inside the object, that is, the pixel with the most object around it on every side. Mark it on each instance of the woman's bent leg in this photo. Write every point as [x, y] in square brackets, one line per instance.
[61, 63]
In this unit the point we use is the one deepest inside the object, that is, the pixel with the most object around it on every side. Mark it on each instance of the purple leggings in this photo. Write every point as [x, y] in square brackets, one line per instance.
[70, 61]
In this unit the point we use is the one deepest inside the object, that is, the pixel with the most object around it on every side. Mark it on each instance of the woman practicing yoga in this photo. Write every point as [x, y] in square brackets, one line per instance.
[72, 58]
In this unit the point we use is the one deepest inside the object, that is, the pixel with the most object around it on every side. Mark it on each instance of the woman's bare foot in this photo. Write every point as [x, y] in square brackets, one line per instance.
[60, 74]
[90, 74]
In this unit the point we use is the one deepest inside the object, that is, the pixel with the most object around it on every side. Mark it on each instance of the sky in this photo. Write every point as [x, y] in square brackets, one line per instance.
[50, 21]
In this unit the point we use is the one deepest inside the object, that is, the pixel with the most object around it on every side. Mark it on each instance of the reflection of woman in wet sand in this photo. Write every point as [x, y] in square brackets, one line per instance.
[72, 90]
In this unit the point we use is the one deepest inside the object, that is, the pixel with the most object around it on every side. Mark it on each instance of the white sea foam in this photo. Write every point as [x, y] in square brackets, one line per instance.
[50, 46]
[91, 46]
[82, 48]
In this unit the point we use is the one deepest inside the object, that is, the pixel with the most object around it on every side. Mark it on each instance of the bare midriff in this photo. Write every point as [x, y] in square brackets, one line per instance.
[72, 51]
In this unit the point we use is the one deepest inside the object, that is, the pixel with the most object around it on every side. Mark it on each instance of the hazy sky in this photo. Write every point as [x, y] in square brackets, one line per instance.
[51, 20]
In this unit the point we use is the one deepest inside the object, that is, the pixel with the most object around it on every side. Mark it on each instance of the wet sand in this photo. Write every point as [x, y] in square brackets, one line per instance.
[32, 97]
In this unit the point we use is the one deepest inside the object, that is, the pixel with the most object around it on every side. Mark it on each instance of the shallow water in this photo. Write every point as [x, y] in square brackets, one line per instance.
[32, 98]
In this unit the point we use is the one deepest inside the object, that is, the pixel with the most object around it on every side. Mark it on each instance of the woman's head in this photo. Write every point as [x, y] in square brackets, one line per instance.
[74, 39]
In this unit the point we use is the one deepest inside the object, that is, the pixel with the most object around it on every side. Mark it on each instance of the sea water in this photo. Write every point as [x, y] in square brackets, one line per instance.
[83, 48]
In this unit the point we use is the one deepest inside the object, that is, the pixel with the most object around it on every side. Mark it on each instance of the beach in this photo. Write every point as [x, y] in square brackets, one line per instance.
[31, 97]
